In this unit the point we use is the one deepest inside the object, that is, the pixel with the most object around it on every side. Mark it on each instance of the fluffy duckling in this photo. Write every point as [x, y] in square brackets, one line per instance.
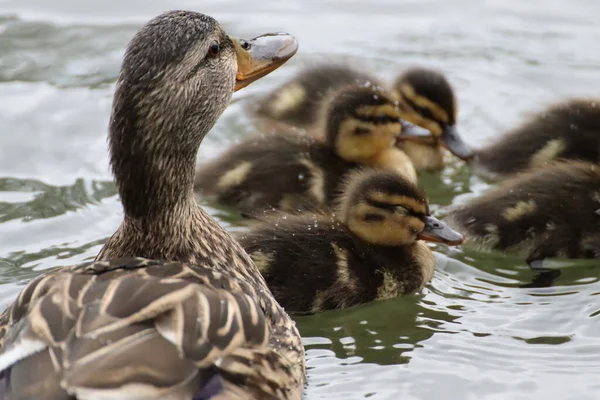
[293, 171]
[297, 102]
[426, 99]
[569, 130]
[370, 249]
[546, 212]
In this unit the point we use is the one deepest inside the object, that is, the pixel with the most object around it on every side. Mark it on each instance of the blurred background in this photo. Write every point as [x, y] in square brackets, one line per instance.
[473, 333]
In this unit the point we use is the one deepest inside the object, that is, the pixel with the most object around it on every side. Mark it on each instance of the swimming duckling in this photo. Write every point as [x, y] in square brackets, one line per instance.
[547, 212]
[370, 249]
[427, 99]
[297, 102]
[568, 130]
[194, 319]
[296, 171]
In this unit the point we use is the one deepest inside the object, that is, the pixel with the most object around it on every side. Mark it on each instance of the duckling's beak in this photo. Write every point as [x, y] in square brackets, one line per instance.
[414, 132]
[453, 142]
[262, 55]
[437, 231]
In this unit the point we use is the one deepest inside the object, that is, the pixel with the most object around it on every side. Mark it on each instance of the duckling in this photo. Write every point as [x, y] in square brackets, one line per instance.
[298, 101]
[426, 100]
[566, 131]
[296, 171]
[189, 319]
[546, 212]
[371, 248]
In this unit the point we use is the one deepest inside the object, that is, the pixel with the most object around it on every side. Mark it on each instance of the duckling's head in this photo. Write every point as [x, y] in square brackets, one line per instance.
[382, 208]
[361, 122]
[177, 77]
[427, 99]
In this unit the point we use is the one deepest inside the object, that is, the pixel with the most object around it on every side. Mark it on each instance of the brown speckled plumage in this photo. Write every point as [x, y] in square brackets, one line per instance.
[569, 130]
[198, 320]
[552, 211]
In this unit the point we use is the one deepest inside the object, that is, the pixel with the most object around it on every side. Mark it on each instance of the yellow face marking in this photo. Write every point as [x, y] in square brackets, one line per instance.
[519, 210]
[404, 201]
[390, 287]
[361, 148]
[374, 111]
[393, 230]
[425, 259]
[262, 261]
[394, 160]
[425, 156]
[549, 152]
[288, 98]
[345, 276]
[438, 112]
[317, 181]
[235, 176]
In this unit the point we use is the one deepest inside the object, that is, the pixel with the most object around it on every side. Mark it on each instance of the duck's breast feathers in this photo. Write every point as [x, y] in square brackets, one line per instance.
[107, 324]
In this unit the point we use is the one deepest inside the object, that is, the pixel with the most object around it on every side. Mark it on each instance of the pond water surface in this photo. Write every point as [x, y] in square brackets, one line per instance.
[474, 332]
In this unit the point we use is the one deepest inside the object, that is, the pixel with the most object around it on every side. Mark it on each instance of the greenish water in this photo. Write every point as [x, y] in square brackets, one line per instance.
[474, 332]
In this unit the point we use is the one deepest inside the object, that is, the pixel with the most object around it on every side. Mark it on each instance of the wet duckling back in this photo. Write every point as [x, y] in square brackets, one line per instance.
[549, 212]
[291, 171]
[368, 250]
[569, 130]
[427, 99]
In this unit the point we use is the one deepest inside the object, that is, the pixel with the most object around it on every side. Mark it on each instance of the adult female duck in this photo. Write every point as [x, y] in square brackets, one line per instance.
[197, 321]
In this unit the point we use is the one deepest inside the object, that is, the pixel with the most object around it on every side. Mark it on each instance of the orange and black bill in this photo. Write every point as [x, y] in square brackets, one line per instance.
[262, 55]
[437, 231]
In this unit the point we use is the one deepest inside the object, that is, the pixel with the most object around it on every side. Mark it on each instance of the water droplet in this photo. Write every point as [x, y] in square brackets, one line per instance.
[574, 127]
[300, 177]
[316, 225]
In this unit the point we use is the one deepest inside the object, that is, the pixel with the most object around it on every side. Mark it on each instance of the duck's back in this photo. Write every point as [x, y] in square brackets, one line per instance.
[276, 171]
[568, 130]
[297, 102]
[551, 211]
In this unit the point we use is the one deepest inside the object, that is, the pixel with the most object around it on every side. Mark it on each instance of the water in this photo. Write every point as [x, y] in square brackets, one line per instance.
[474, 332]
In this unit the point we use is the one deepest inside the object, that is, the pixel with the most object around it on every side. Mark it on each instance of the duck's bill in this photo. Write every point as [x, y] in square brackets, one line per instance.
[452, 141]
[437, 231]
[262, 55]
[413, 132]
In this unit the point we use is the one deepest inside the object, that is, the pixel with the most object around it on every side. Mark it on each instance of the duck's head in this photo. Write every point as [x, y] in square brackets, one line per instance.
[177, 77]
[382, 208]
[361, 122]
[427, 99]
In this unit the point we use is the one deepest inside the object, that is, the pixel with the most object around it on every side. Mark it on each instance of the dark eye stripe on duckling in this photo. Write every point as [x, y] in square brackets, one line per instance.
[393, 207]
[423, 111]
[378, 115]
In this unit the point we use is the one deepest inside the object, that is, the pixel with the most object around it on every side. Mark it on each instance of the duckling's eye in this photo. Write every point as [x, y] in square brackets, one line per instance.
[360, 131]
[401, 210]
[214, 49]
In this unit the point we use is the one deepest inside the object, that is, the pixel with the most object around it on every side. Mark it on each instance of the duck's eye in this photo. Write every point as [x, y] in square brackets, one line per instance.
[245, 45]
[214, 49]
[401, 210]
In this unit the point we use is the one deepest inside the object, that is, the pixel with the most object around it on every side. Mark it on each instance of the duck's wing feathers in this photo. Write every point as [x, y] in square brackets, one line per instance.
[173, 329]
